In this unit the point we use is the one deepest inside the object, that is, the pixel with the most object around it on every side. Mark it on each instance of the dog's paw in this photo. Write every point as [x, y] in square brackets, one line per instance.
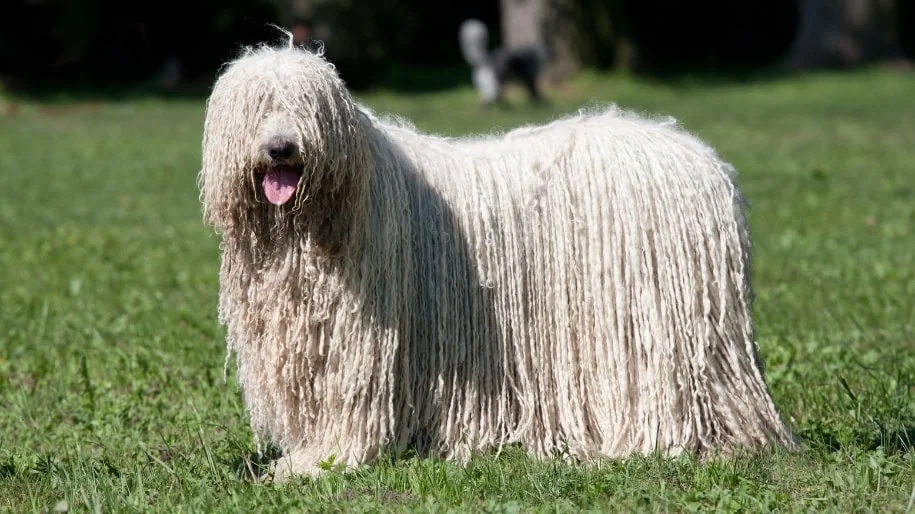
[285, 468]
[303, 463]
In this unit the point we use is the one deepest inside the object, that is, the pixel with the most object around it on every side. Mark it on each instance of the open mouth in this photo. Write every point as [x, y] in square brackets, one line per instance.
[280, 183]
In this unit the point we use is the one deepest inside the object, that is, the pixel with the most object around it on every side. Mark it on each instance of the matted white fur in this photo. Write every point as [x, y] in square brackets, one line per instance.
[580, 288]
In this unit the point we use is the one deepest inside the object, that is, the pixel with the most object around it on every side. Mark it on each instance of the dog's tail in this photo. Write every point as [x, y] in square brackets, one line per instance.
[474, 40]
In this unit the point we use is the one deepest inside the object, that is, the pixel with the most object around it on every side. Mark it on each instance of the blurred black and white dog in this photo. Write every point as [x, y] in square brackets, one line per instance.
[493, 69]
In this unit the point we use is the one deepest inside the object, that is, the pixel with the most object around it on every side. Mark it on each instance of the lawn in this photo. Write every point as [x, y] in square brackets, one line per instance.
[112, 391]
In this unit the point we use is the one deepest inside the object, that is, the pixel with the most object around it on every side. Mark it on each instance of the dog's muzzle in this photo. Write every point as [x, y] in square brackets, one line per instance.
[280, 149]
[281, 178]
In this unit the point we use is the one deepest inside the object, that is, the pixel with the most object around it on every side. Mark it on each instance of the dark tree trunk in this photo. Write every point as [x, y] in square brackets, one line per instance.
[528, 22]
[845, 34]
[522, 22]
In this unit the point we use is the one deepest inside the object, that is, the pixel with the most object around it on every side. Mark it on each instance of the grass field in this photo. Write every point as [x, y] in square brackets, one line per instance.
[112, 396]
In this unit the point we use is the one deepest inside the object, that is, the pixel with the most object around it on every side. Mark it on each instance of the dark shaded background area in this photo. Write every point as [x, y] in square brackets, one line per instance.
[61, 44]
[679, 36]
[107, 43]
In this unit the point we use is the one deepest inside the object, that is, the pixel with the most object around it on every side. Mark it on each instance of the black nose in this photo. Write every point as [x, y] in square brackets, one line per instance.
[280, 149]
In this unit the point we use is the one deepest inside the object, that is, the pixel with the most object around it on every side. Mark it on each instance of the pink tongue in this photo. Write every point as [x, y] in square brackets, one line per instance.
[280, 184]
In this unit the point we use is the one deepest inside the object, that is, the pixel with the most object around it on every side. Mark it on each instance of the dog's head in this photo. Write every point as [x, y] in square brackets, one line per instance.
[284, 144]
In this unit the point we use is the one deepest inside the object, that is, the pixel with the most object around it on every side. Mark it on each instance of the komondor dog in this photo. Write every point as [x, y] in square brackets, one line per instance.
[579, 289]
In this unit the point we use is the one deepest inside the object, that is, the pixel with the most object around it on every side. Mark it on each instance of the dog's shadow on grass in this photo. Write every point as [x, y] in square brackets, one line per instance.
[254, 467]
[893, 441]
